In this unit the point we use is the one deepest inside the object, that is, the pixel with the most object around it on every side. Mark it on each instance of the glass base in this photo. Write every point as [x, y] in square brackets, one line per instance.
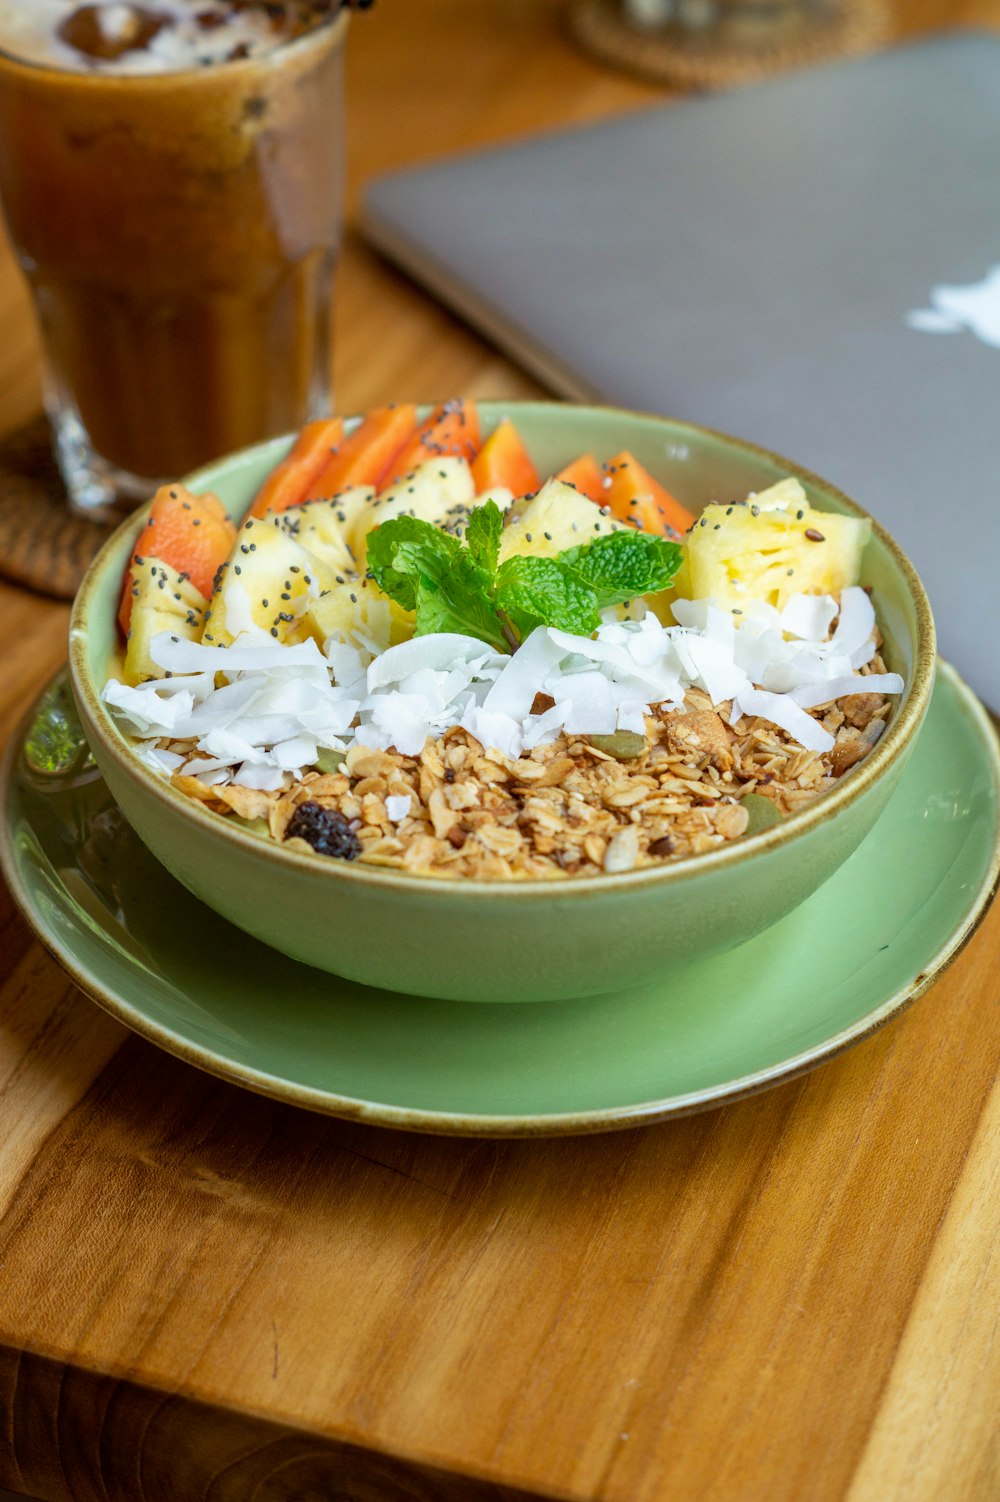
[95, 488]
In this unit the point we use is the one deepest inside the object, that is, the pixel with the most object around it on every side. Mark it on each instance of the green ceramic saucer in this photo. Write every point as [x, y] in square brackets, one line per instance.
[877, 933]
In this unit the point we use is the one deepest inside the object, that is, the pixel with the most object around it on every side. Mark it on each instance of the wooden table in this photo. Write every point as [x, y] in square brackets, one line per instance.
[204, 1293]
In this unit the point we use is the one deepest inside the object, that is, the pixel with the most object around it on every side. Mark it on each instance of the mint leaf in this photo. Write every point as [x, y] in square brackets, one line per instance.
[460, 599]
[482, 536]
[534, 592]
[460, 588]
[405, 550]
[427, 570]
[622, 565]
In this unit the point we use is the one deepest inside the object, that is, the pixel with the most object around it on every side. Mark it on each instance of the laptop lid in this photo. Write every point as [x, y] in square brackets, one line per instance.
[812, 264]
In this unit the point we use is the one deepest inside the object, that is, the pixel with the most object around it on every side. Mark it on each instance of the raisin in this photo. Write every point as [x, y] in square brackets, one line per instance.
[327, 831]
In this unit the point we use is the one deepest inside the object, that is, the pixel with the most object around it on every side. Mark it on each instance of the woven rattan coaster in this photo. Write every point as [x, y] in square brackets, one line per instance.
[42, 543]
[746, 42]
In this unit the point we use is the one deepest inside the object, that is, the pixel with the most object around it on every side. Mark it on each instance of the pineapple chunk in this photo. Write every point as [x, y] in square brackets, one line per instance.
[456, 519]
[358, 605]
[770, 547]
[555, 519]
[162, 600]
[784, 495]
[351, 504]
[278, 579]
[321, 526]
[431, 491]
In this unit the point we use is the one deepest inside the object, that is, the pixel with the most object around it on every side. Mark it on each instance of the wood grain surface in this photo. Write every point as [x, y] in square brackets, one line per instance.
[207, 1294]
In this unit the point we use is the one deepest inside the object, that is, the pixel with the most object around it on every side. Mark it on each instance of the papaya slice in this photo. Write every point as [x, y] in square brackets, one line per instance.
[635, 497]
[364, 458]
[452, 428]
[586, 476]
[288, 482]
[504, 461]
[192, 533]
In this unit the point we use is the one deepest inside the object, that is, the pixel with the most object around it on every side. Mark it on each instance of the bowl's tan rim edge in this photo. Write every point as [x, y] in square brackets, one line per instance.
[558, 1124]
[898, 735]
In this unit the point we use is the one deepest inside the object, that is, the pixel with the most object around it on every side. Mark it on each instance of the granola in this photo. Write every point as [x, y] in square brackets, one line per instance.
[569, 808]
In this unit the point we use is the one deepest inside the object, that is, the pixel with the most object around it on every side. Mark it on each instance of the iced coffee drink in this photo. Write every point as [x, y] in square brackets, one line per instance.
[171, 179]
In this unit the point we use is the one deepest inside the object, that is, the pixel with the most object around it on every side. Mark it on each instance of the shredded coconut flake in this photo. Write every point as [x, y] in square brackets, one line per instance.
[276, 705]
[398, 806]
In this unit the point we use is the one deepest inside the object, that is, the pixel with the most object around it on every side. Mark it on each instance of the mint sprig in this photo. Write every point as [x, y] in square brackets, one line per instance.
[463, 588]
[534, 592]
[405, 551]
[482, 535]
[461, 601]
[622, 565]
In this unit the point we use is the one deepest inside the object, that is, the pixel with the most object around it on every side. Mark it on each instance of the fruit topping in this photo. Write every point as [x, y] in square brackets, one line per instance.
[771, 547]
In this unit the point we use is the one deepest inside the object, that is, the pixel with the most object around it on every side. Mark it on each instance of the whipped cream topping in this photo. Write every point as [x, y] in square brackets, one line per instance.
[157, 36]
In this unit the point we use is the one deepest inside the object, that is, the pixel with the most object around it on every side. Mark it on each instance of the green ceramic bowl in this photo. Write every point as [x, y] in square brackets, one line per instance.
[486, 941]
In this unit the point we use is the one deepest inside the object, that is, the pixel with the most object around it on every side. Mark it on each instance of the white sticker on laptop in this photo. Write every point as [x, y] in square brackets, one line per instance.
[975, 306]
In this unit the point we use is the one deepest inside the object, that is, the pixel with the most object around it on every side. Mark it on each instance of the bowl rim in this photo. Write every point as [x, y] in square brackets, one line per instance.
[894, 742]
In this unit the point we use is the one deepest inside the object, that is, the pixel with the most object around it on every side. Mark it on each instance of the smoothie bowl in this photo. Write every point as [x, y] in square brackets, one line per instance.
[523, 702]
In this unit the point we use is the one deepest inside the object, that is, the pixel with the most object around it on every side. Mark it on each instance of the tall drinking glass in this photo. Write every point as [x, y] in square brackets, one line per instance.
[179, 230]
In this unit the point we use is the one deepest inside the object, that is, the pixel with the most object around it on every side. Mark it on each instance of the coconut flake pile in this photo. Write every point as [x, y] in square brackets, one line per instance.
[278, 705]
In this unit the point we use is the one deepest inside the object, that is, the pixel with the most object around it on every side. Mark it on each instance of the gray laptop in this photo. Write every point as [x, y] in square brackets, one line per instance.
[812, 264]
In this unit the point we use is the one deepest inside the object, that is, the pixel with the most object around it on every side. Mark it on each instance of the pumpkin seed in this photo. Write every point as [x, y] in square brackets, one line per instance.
[254, 826]
[624, 745]
[764, 812]
[329, 760]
